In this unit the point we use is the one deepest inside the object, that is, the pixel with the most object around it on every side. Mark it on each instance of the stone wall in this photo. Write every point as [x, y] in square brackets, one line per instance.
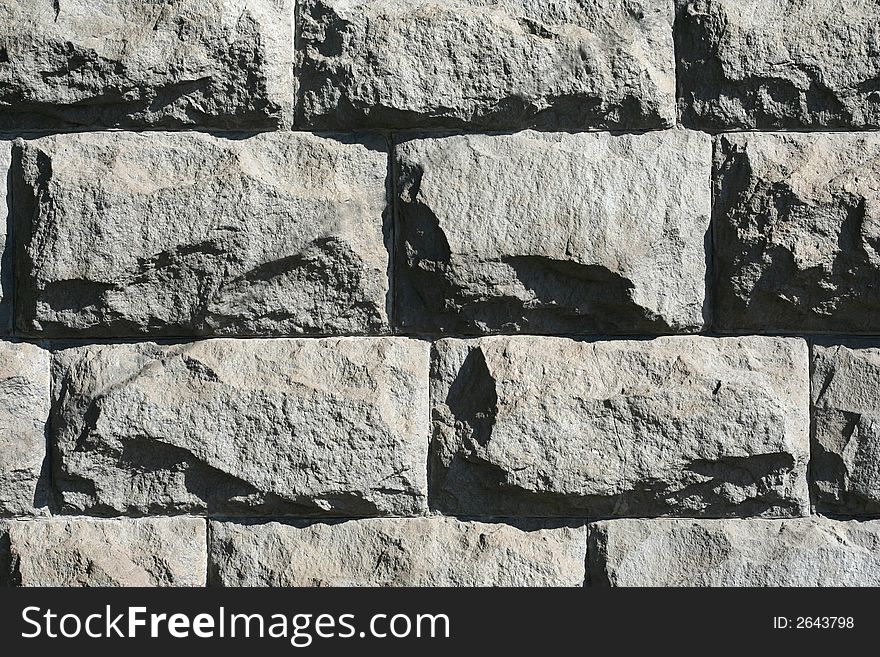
[440, 292]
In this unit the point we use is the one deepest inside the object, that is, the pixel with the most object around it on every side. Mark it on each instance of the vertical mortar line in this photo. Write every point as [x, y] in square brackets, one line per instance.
[710, 281]
[208, 532]
[392, 209]
[50, 469]
[811, 486]
[430, 427]
[10, 249]
[675, 61]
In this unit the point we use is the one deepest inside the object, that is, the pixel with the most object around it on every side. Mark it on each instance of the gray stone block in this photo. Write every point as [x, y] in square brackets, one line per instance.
[676, 426]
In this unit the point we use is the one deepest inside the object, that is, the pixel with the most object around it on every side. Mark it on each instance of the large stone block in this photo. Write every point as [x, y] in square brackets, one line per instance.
[126, 234]
[846, 440]
[24, 411]
[497, 64]
[255, 427]
[803, 552]
[553, 233]
[676, 426]
[797, 233]
[145, 64]
[397, 552]
[102, 552]
[765, 64]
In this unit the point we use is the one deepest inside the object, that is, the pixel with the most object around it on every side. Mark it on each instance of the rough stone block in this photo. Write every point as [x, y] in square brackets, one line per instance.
[181, 234]
[397, 552]
[496, 64]
[797, 233]
[765, 64]
[102, 552]
[24, 411]
[677, 426]
[803, 552]
[553, 232]
[132, 63]
[846, 414]
[256, 427]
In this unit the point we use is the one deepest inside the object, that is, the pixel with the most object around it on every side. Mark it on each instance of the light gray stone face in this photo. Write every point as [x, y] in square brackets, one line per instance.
[803, 552]
[672, 426]
[779, 64]
[553, 232]
[397, 552]
[101, 552]
[24, 411]
[846, 412]
[797, 233]
[6, 245]
[259, 427]
[497, 64]
[69, 63]
[127, 234]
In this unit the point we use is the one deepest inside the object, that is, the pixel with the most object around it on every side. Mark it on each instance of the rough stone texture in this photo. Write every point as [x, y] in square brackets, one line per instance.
[100, 552]
[802, 552]
[671, 426]
[24, 410]
[283, 427]
[127, 234]
[797, 233]
[68, 63]
[846, 440]
[765, 64]
[397, 552]
[553, 233]
[498, 64]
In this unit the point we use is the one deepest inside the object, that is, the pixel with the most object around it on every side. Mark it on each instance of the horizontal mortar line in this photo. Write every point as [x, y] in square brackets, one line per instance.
[62, 343]
[489, 519]
[9, 135]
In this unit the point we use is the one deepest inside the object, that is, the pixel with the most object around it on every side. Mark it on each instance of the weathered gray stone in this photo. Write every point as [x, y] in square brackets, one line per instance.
[282, 427]
[671, 426]
[846, 441]
[803, 552]
[495, 64]
[553, 232]
[779, 63]
[24, 410]
[797, 233]
[125, 234]
[397, 552]
[67, 63]
[102, 552]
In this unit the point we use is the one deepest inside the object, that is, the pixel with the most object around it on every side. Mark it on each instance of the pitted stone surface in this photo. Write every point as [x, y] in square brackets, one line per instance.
[102, 552]
[71, 63]
[127, 234]
[24, 410]
[797, 233]
[846, 411]
[677, 426]
[260, 427]
[802, 552]
[397, 552]
[496, 64]
[768, 64]
[553, 233]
